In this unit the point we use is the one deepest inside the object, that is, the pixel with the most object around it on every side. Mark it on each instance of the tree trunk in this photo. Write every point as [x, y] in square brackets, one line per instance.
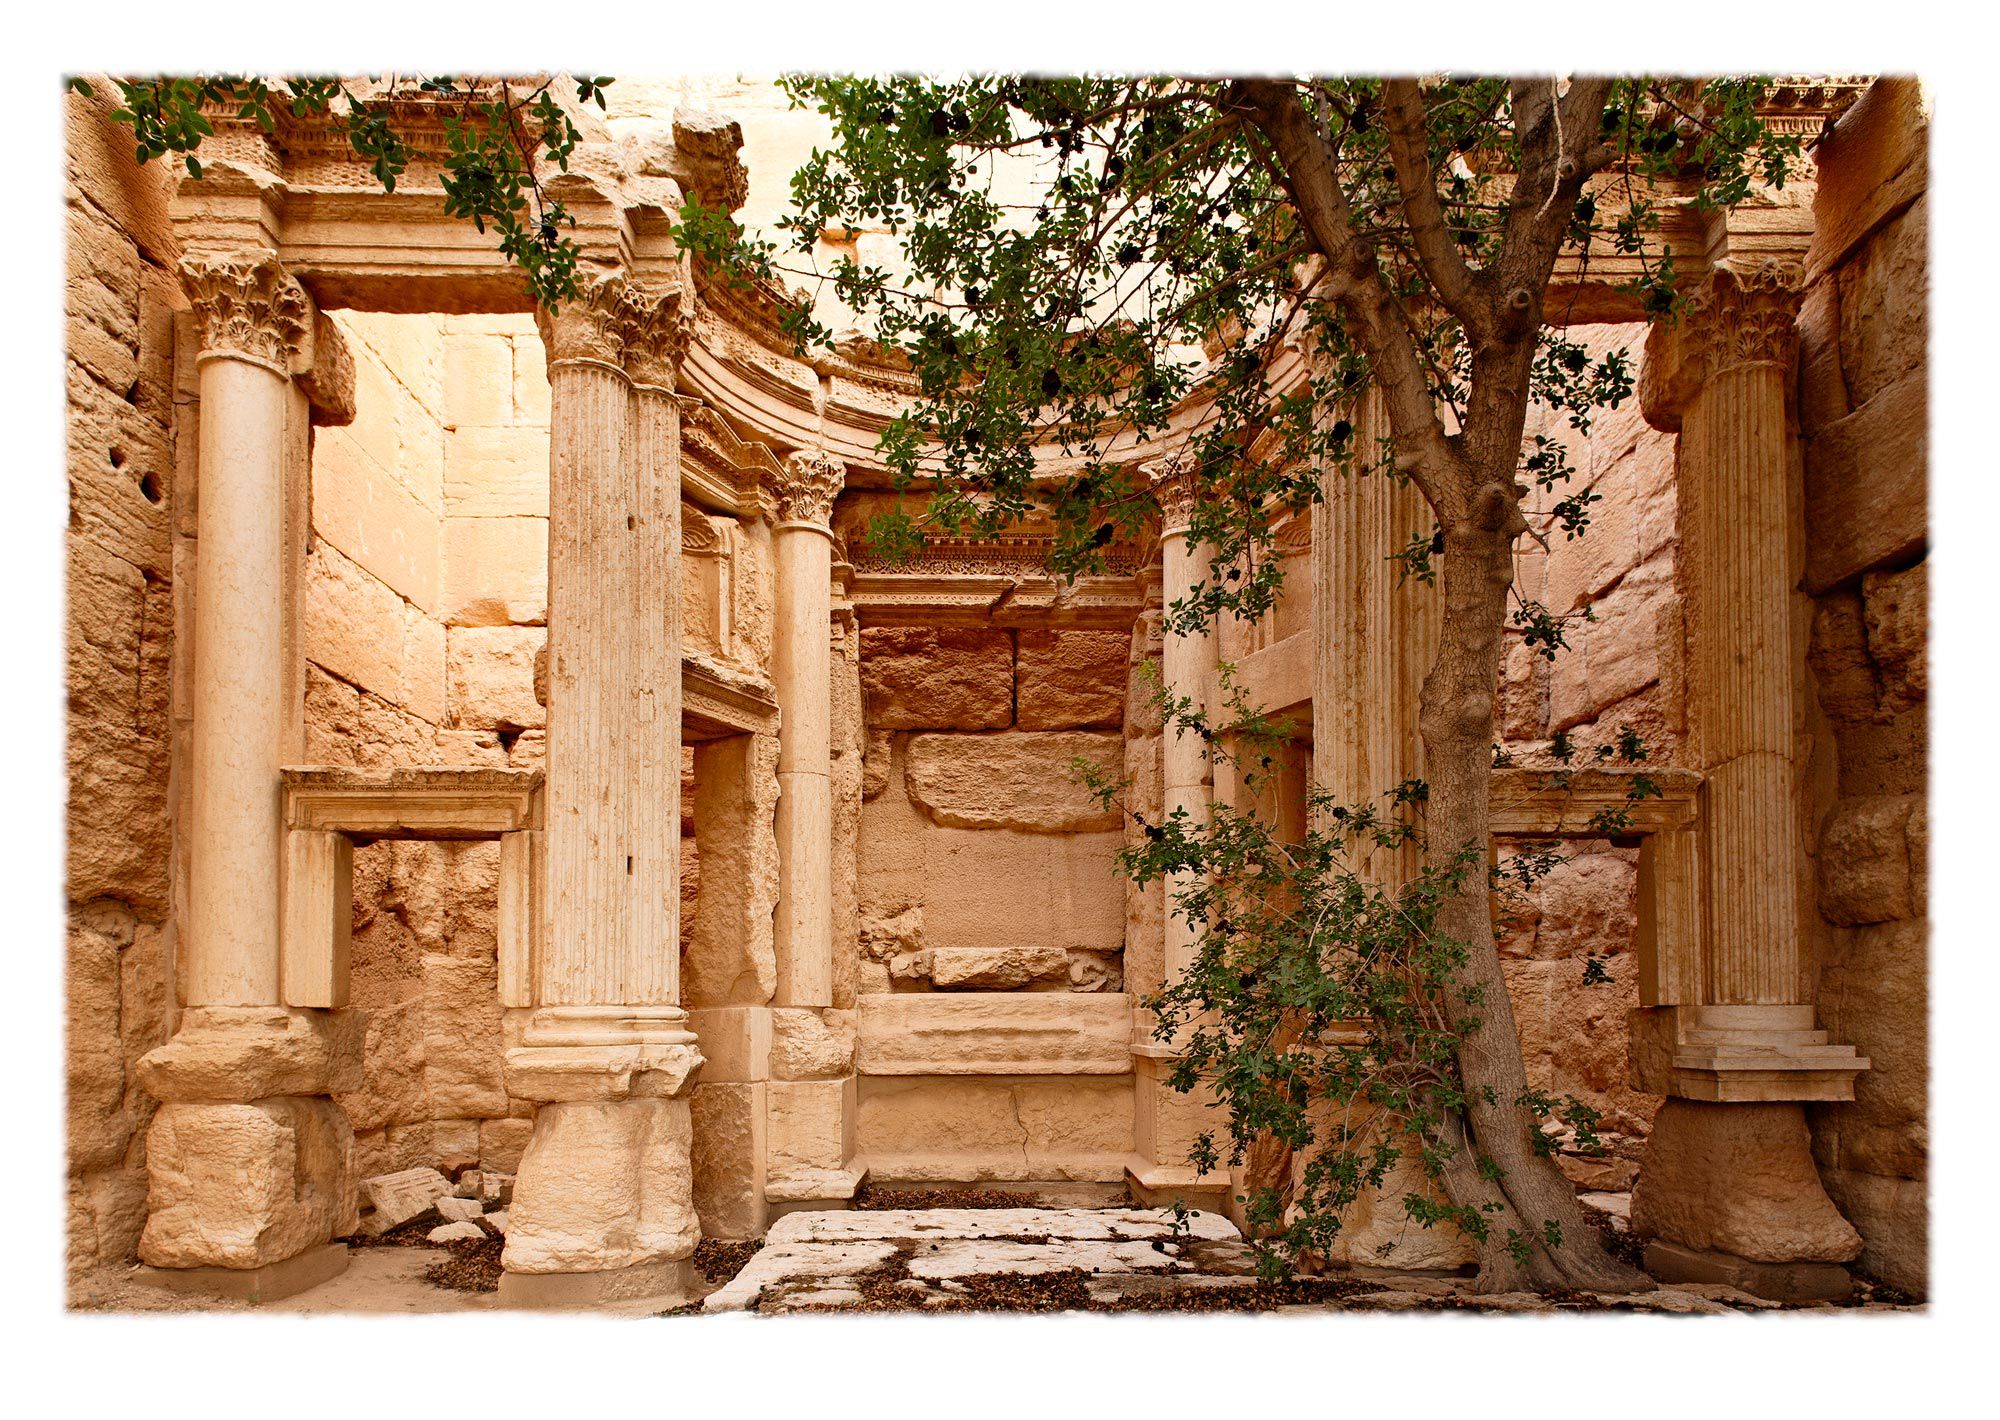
[1457, 728]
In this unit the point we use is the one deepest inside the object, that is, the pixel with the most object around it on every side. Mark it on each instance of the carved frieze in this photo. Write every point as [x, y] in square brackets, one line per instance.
[811, 479]
[246, 305]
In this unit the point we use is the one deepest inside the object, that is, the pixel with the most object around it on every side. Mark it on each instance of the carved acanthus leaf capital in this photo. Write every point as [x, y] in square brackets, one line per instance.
[1740, 316]
[247, 306]
[591, 325]
[1748, 317]
[1173, 481]
[810, 481]
[658, 326]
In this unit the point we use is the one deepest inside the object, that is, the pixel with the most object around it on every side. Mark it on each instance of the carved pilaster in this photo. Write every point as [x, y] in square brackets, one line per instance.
[248, 308]
[805, 490]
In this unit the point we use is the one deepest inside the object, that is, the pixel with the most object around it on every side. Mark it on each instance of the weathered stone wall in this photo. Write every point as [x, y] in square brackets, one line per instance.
[1862, 414]
[984, 864]
[121, 294]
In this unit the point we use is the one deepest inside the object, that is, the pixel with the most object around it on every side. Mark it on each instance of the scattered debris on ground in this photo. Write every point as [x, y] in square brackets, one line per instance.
[883, 1199]
[468, 1266]
[720, 1261]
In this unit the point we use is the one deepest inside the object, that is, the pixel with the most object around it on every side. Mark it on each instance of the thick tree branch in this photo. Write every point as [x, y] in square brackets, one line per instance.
[1373, 317]
[1407, 128]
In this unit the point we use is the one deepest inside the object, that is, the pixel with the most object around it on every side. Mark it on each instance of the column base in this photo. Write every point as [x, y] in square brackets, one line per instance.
[1739, 1055]
[244, 1186]
[604, 1186]
[667, 1284]
[1738, 1180]
[1774, 1281]
[272, 1282]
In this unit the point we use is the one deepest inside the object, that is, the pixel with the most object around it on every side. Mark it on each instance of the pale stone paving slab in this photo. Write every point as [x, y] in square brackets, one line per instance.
[811, 1260]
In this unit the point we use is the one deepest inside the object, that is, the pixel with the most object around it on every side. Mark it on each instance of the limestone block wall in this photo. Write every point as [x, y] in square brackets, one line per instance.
[1862, 415]
[122, 547]
[983, 864]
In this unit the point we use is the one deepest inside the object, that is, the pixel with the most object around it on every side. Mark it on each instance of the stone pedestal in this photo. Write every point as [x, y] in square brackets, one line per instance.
[248, 1161]
[604, 1197]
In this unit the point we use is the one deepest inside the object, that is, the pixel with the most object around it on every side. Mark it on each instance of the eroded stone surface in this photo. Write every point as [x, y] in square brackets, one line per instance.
[1024, 781]
[937, 678]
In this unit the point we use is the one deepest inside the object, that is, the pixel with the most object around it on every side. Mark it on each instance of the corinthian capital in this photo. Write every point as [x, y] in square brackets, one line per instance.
[1738, 317]
[657, 327]
[811, 480]
[247, 306]
[1173, 482]
[592, 325]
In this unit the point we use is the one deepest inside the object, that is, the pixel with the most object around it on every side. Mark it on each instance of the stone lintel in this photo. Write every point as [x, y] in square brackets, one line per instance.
[548, 1074]
[1278, 680]
[272, 1282]
[1739, 1055]
[716, 702]
[421, 802]
[1527, 804]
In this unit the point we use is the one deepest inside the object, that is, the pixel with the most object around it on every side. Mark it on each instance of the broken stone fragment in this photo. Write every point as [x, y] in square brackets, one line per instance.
[997, 968]
[460, 1210]
[456, 1232]
[401, 1196]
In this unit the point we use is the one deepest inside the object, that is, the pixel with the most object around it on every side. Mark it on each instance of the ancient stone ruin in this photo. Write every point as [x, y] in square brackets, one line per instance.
[504, 782]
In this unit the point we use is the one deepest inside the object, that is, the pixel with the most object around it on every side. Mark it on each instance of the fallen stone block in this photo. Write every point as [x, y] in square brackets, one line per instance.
[456, 1232]
[400, 1196]
[460, 1210]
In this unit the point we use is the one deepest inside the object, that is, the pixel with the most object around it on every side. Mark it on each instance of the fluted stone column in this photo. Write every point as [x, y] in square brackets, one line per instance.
[603, 1204]
[1166, 1122]
[801, 674]
[249, 1163]
[1375, 634]
[1187, 667]
[1728, 1185]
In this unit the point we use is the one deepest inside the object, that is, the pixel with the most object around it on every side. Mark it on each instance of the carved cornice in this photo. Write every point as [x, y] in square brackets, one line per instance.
[807, 486]
[248, 307]
[1740, 318]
